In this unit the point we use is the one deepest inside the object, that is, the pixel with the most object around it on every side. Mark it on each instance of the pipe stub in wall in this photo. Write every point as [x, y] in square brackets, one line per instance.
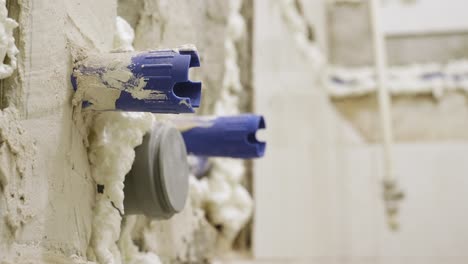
[147, 81]
[223, 136]
[157, 185]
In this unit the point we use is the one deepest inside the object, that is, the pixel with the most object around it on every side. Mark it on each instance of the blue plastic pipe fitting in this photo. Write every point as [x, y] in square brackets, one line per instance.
[150, 81]
[227, 136]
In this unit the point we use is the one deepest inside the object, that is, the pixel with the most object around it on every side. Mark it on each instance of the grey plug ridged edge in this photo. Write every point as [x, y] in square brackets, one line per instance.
[157, 184]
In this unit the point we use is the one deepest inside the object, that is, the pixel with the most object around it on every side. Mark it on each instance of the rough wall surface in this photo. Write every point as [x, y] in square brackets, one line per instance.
[442, 119]
[56, 193]
[350, 40]
[47, 191]
[350, 45]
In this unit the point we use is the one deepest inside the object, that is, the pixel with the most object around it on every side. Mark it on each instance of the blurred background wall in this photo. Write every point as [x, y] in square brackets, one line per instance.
[318, 190]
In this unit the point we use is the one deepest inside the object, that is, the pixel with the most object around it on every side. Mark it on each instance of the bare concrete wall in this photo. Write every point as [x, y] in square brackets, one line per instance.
[52, 221]
[295, 185]
[318, 190]
[415, 118]
[350, 41]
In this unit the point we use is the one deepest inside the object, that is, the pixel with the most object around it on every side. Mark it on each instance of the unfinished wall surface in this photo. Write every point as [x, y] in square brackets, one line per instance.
[298, 213]
[54, 192]
[350, 30]
[429, 155]
[48, 192]
[318, 191]
[350, 45]
[442, 119]
[432, 222]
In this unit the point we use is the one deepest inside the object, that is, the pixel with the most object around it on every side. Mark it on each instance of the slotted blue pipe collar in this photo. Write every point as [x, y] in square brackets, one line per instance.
[227, 136]
[150, 81]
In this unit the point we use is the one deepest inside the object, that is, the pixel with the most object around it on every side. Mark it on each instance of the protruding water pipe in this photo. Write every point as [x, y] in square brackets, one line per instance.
[149, 81]
[157, 185]
[391, 192]
[226, 136]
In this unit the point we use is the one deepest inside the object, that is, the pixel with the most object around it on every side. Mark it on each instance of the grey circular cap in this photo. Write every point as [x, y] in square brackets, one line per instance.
[157, 184]
[174, 173]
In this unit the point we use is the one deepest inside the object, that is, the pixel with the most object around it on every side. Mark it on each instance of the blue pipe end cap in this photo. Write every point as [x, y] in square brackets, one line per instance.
[228, 136]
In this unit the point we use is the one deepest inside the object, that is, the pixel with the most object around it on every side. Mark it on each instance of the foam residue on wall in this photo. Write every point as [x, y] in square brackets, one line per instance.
[8, 48]
[113, 137]
[299, 28]
[129, 251]
[188, 237]
[185, 238]
[228, 103]
[433, 78]
[124, 35]
[227, 204]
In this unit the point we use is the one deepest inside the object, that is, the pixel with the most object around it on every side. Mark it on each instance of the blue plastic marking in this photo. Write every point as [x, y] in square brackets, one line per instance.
[166, 72]
[228, 136]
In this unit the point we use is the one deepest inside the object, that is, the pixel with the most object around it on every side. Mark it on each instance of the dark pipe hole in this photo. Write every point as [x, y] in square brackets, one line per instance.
[190, 90]
[252, 139]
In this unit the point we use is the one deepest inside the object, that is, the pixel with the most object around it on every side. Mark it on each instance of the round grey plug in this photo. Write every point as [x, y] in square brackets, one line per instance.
[157, 184]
